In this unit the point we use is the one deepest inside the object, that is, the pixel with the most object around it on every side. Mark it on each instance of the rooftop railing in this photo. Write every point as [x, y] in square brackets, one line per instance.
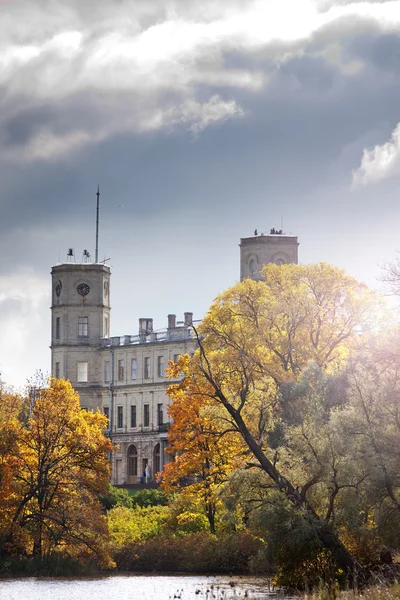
[165, 335]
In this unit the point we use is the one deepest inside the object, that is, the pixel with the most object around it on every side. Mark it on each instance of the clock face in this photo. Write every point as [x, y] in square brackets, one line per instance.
[83, 289]
[58, 288]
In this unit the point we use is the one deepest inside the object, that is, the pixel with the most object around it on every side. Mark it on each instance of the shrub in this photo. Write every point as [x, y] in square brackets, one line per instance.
[116, 497]
[199, 552]
[127, 525]
[145, 498]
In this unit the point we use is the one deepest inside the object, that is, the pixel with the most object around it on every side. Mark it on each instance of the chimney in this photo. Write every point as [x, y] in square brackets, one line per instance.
[188, 319]
[171, 321]
[145, 326]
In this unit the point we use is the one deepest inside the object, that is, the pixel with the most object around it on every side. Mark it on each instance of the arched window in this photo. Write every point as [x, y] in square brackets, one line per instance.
[156, 459]
[132, 461]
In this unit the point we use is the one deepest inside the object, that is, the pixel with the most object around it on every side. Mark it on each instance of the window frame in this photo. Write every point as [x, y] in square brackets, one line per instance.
[133, 371]
[79, 372]
[120, 417]
[83, 327]
[160, 414]
[146, 368]
[146, 415]
[160, 366]
[133, 416]
[121, 369]
[58, 328]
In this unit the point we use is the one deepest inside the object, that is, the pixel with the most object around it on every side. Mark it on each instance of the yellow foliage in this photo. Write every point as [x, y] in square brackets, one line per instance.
[61, 466]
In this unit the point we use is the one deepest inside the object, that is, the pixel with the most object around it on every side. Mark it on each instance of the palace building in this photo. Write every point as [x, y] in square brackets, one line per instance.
[124, 376]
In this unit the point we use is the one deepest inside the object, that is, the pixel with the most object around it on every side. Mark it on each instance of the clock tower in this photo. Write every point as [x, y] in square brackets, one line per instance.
[80, 319]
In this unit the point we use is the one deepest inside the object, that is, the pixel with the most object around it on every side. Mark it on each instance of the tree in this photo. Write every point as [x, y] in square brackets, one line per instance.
[256, 337]
[373, 418]
[204, 450]
[62, 467]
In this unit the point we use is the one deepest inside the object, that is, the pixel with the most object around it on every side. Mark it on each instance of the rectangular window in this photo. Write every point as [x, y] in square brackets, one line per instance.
[146, 415]
[105, 327]
[160, 366]
[107, 412]
[160, 414]
[57, 370]
[82, 372]
[176, 357]
[147, 367]
[107, 371]
[133, 416]
[57, 328]
[134, 368]
[83, 326]
[120, 416]
[121, 370]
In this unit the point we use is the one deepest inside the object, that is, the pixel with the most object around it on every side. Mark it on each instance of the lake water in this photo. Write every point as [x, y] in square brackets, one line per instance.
[138, 587]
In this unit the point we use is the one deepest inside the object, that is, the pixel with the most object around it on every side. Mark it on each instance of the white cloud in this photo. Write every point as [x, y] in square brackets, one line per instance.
[24, 300]
[380, 162]
[141, 52]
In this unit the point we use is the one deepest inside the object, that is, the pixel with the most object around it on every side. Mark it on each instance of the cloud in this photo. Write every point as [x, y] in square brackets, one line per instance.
[380, 162]
[138, 66]
[23, 323]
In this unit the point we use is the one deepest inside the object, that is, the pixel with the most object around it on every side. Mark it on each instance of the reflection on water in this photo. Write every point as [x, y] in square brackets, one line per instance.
[137, 587]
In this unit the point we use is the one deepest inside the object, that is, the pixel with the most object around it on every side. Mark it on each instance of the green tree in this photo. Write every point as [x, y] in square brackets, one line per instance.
[256, 337]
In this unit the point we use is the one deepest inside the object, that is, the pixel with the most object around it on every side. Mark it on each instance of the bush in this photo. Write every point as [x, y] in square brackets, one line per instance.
[145, 498]
[127, 525]
[115, 497]
[199, 552]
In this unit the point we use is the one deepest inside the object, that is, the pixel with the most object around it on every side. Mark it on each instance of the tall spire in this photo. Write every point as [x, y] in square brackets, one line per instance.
[97, 224]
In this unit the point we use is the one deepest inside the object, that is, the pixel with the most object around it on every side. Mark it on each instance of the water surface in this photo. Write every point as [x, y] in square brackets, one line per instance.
[138, 587]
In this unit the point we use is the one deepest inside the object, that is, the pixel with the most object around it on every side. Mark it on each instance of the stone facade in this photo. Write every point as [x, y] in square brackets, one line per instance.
[259, 250]
[125, 376]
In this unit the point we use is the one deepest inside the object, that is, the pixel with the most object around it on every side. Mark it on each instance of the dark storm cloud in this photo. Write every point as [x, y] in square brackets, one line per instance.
[299, 123]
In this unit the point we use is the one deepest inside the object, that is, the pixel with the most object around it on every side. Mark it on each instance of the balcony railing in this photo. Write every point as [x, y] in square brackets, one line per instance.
[166, 335]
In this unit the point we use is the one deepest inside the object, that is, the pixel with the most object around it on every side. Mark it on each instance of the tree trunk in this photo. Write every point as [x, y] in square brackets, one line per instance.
[211, 516]
[325, 532]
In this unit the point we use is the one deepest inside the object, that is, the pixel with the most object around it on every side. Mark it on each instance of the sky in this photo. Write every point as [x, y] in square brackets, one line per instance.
[200, 121]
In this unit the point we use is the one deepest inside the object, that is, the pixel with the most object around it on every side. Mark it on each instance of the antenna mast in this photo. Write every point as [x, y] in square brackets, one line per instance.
[97, 225]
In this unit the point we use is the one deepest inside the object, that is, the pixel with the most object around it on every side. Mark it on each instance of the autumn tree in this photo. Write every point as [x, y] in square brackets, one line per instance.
[62, 467]
[204, 450]
[259, 335]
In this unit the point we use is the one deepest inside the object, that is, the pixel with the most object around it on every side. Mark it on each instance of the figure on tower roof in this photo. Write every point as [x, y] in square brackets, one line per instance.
[255, 232]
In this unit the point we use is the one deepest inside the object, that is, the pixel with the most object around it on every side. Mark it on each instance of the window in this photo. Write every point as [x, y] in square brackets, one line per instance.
[57, 370]
[134, 368]
[83, 324]
[120, 416]
[176, 357]
[147, 367]
[105, 327]
[160, 414]
[107, 412]
[107, 371]
[57, 328]
[146, 415]
[121, 369]
[157, 458]
[160, 366]
[132, 461]
[82, 372]
[133, 416]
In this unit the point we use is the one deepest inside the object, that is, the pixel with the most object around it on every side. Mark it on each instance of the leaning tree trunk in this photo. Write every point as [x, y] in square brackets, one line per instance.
[344, 559]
